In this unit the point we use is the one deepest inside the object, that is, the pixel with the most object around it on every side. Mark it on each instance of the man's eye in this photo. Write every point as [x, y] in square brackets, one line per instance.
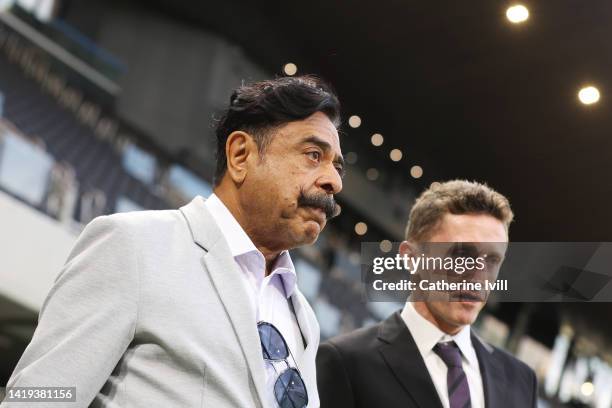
[492, 259]
[314, 155]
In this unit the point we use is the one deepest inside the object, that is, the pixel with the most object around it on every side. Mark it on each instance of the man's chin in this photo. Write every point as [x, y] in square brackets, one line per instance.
[466, 312]
[307, 234]
[312, 231]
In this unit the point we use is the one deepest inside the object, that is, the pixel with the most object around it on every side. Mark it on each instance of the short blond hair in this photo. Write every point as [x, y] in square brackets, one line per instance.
[455, 197]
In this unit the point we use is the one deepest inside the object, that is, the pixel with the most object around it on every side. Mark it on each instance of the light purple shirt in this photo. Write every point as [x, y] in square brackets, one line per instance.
[269, 295]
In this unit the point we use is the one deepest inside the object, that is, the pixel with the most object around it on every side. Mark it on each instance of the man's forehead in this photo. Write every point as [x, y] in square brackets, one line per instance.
[471, 228]
[317, 125]
[322, 125]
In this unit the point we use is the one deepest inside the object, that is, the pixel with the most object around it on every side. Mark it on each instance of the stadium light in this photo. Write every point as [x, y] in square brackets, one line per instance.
[361, 228]
[377, 139]
[354, 121]
[517, 14]
[290, 69]
[396, 155]
[589, 95]
[416, 172]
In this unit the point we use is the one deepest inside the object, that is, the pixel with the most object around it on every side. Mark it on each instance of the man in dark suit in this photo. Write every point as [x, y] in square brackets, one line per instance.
[426, 355]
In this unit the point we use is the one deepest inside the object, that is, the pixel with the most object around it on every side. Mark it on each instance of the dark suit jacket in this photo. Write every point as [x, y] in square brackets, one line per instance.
[380, 366]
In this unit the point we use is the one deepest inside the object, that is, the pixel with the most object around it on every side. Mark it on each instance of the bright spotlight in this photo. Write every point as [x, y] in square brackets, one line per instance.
[361, 228]
[290, 69]
[517, 14]
[416, 172]
[377, 139]
[386, 245]
[396, 155]
[589, 95]
[587, 388]
[354, 121]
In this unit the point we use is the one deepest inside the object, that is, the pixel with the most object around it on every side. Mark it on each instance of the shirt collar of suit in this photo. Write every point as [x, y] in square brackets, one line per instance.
[426, 335]
[245, 253]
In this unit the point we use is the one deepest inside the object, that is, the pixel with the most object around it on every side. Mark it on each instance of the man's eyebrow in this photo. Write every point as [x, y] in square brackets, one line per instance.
[325, 146]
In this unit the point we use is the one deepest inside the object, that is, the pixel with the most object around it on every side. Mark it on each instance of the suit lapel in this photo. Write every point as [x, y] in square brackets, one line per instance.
[298, 302]
[306, 363]
[228, 282]
[493, 378]
[401, 354]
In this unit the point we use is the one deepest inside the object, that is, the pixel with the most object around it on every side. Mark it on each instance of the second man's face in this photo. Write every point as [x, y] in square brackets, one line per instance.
[291, 189]
[453, 314]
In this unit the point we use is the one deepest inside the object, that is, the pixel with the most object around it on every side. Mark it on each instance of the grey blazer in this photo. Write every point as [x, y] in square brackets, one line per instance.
[150, 310]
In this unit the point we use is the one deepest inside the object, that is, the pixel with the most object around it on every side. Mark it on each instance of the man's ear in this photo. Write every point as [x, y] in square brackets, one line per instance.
[411, 249]
[238, 147]
[408, 248]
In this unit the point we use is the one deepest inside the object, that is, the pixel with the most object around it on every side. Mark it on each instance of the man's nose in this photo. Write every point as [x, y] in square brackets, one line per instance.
[330, 180]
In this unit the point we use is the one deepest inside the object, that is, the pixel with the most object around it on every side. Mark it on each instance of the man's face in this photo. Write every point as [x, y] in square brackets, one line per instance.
[286, 191]
[452, 315]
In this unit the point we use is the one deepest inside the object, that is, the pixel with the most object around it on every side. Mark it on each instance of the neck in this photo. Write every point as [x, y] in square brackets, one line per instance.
[230, 199]
[422, 309]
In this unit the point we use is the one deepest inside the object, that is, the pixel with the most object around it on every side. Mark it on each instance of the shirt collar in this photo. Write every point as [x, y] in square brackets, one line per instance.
[285, 269]
[243, 250]
[426, 335]
[238, 241]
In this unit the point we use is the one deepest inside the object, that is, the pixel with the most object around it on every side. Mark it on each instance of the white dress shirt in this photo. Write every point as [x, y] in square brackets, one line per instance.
[269, 295]
[426, 335]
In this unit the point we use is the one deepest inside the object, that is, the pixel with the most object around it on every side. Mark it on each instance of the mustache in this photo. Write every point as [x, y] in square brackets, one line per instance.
[323, 201]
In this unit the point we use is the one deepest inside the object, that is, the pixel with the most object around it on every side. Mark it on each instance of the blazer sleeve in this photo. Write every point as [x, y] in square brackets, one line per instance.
[88, 319]
[332, 380]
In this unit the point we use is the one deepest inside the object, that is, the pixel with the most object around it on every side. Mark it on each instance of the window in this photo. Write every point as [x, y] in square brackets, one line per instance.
[24, 168]
[187, 183]
[139, 164]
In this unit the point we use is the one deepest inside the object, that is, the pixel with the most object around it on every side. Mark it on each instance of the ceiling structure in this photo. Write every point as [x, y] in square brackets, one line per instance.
[461, 91]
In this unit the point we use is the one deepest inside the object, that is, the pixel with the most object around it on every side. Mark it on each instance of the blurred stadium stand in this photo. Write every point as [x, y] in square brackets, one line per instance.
[75, 144]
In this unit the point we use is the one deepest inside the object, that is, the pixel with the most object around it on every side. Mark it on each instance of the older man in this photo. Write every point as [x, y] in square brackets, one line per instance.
[199, 306]
[427, 356]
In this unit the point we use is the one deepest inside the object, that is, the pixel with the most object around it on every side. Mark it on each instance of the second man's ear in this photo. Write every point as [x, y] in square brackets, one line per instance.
[408, 248]
[239, 147]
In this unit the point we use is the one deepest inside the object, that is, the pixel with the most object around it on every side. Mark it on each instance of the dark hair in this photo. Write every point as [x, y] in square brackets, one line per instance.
[260, 107]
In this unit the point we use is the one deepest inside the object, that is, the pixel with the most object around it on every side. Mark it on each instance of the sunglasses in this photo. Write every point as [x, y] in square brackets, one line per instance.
[289, 388]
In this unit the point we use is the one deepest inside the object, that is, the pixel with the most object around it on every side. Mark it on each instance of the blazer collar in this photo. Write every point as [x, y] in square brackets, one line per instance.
[227, 280]
[204, 230]
[401, 354]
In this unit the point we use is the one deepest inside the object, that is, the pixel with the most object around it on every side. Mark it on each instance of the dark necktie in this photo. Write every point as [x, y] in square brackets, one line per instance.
[458, 388]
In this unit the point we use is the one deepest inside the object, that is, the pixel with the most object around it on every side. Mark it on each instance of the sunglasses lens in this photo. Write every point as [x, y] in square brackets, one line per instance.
[290, 391]
[272, 343]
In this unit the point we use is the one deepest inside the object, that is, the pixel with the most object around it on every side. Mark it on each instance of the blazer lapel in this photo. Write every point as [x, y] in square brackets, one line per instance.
[492, 373]
[309, 330]
[228, 282]
[299, 306]
[403, 358]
